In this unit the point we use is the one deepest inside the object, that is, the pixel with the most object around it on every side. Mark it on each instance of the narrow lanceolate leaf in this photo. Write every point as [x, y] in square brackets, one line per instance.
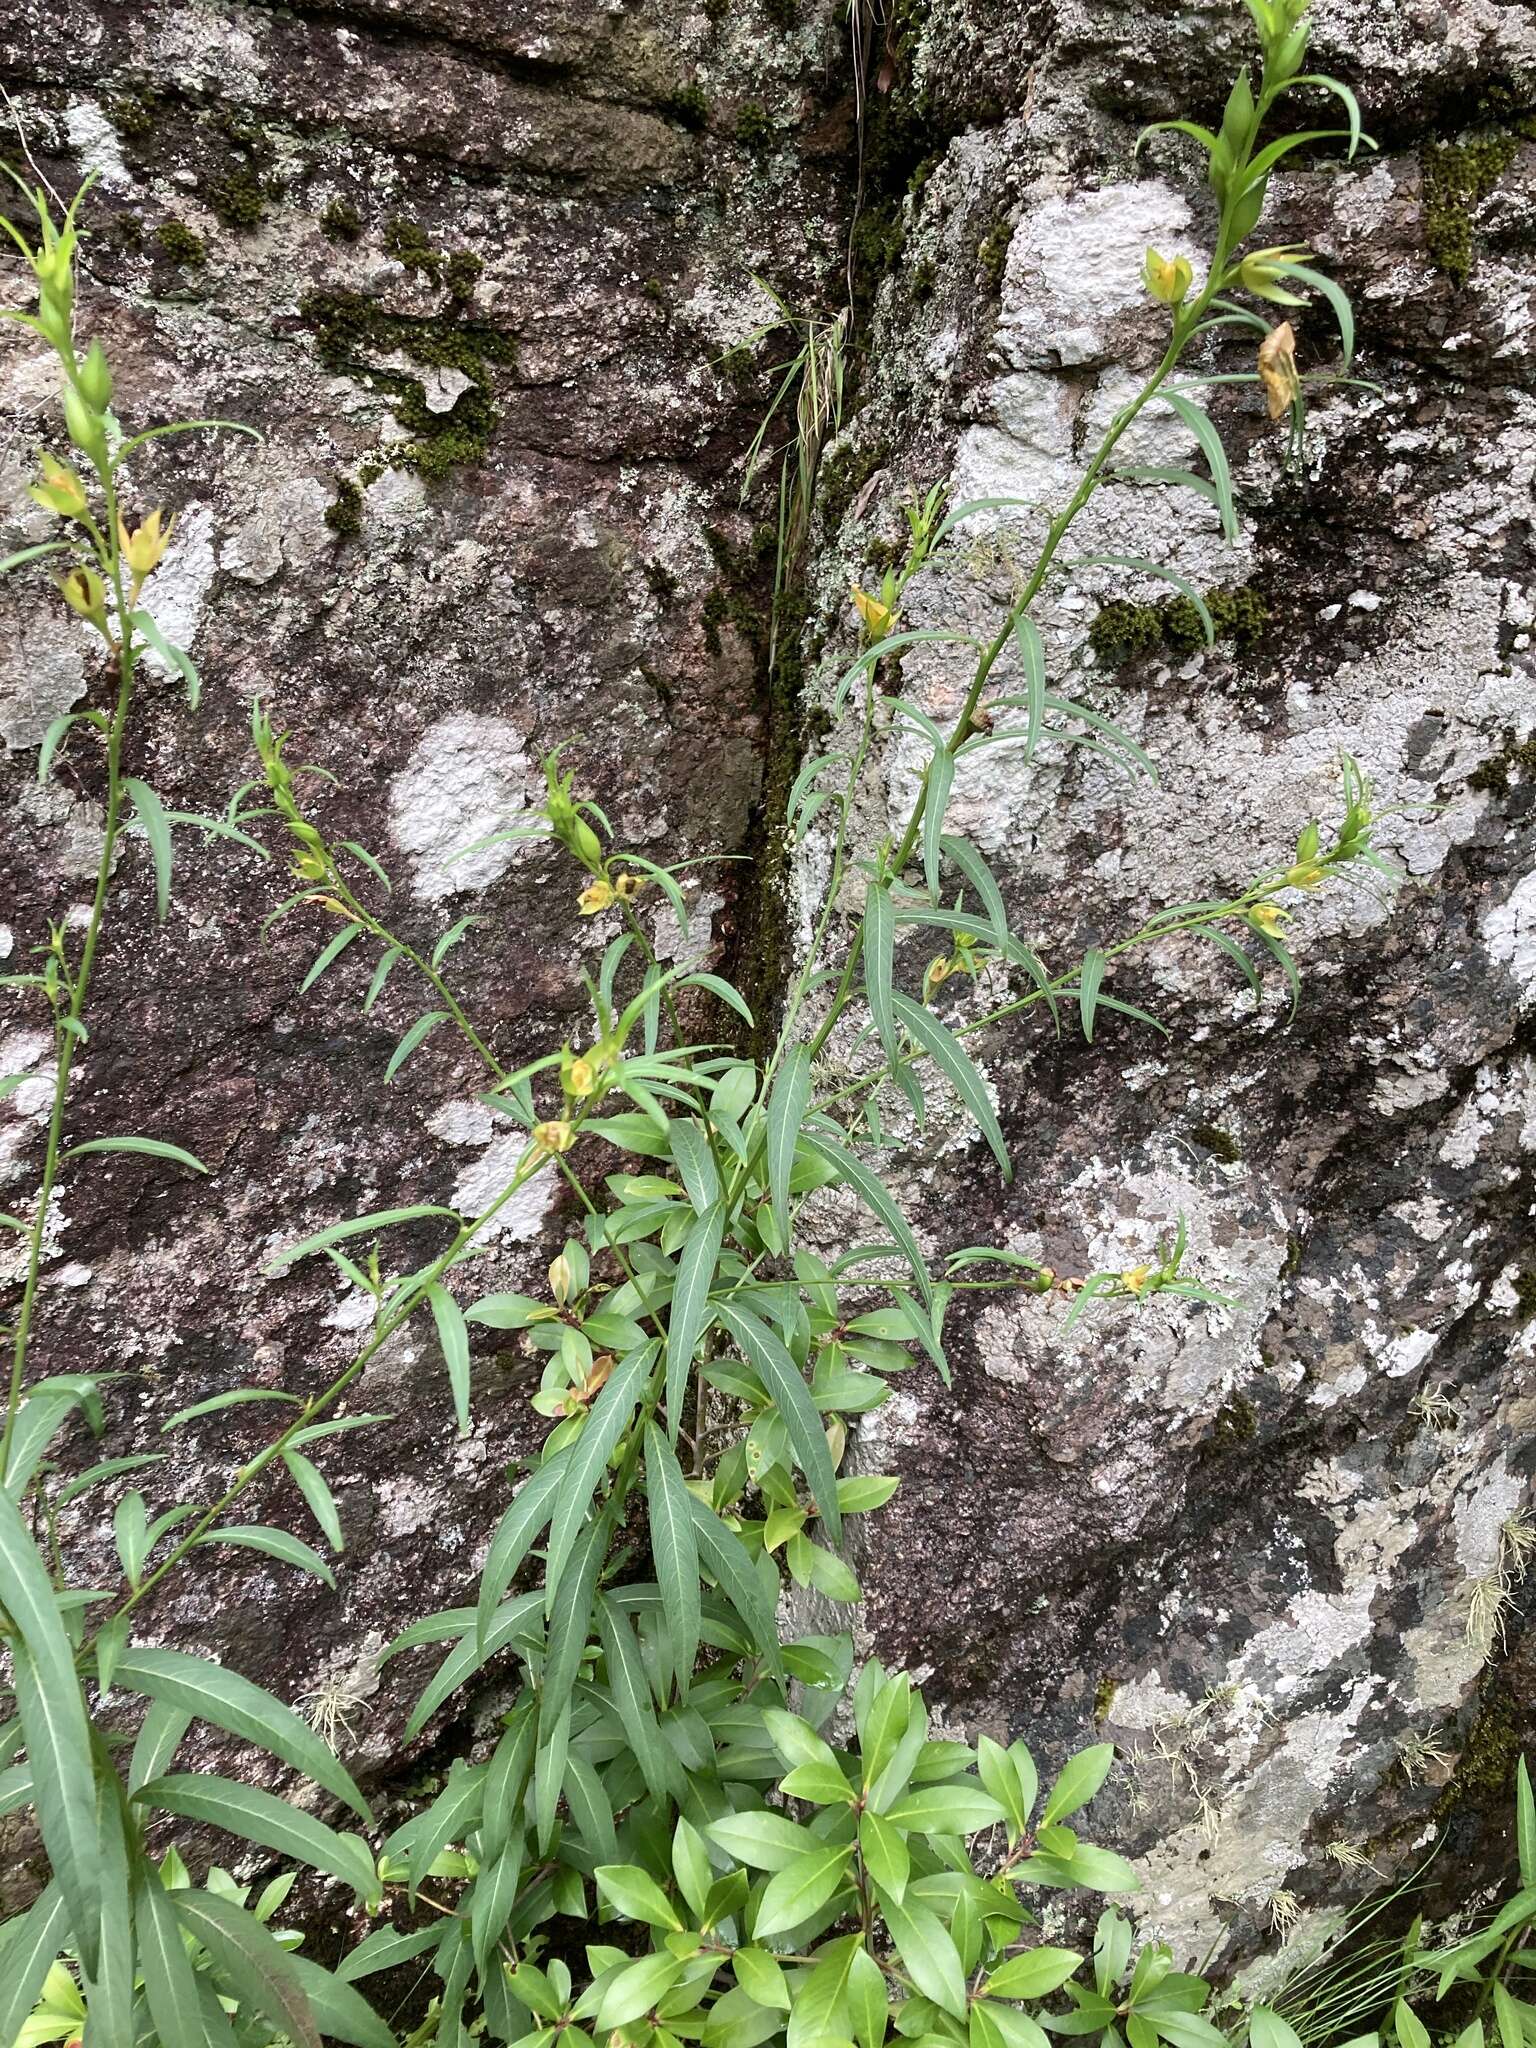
[257, 1816]
[1081, 1776]
[1525, 1825]
[689, 1313]
[785, 1382]
[694, 1161]
[231, 1702]
[726, 1557]
[159, 1739]
[569, 1626]
[317, 1494]
[1090, 974]
[337, 946]
[871, 1191]
[1204, 431]
[152, 1148]
[334, 1233]
[589, 1455]
[260, 1974]
[940, 781]
[413, 1038]
[29, 1947]
[278, 1543]
[1032, 660]
[532, 1505]
[157, 830]
[341, 2013]
[630, 1691]
[674, 1551]
[980, 876]
[453, 1336]
[879, 966]
[53, 1718]
[787, 1104]
[175, 658]
[941, 1045]
[170, 1983]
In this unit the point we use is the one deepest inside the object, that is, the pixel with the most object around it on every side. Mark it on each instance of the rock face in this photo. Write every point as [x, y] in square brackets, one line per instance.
[473, 280]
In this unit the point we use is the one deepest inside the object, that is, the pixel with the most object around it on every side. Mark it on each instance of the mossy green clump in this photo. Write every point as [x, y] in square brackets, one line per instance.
[1237, 1421]
[351, 331]
[1525, 1294]
[1515, 757]
[344, 514]
[689, 106]
[1219, 1143]
[992, 256]
[1104, 1698]
[179, 244]
[1457, 177]
[134, 113]
[461, 273]
[754, 129]
[1122, 631]
[238, 198]
[406, 240]
[341, 221]
[738, 366]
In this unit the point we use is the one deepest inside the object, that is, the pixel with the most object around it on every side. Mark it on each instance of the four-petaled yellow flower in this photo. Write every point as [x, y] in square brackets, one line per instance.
[61, 490]
[596, 896]
[554, 1136]
[1266, 917]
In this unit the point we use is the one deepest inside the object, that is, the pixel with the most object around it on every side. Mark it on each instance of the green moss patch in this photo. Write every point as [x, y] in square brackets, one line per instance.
[1123, 631]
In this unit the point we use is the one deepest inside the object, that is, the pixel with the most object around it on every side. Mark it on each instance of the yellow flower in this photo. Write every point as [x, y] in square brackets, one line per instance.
[628, 887]
[85, 593]
[555, 1136]
[60, 491]
[1135, 1281]
[309, 867]
[1267, 918]
[1305, 875]
[582, 1078]
[1261, 270]
[595, 897]
[1167, 278]
[940, 968]
[878, 618]
[143, 548]
[1277, 369]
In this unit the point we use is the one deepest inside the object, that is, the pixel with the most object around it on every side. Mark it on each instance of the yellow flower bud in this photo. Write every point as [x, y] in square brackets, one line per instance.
[582, 1078]
[561, 1278]
[1277, 369]
[143, 548]
[85, 593]
[1167, 278]
[1305, 875]
[595, 897]
[1267, 918]
[878, 618]
[555, 1136]
[939, 970]
[60, 491]
[309, 867]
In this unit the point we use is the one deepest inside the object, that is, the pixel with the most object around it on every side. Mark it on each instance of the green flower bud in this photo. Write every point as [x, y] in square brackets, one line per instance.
[85, 428]
[96, 378]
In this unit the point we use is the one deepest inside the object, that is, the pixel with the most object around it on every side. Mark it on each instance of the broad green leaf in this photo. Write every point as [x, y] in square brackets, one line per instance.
[674, 1551]
[1266, 2029]
[946, 1810]
[792, 1397]
[259, 1817]
[384, 1949]
[635, 1894]
[453, 1336]
[1034, 1974]
[688, 1316]
[762, 1978]
[787, 1103]
[794, 1894]
[278, 1543]
[152, 1148]
[868, 2005]
[1081, 1777]
[210, 1693]
[945, 1050]
[766, 1839]
[886, 1856]
[927, 1952]
[635, 1990]
[999, 1772]
[727, 1558]
[52, 1711]
[609, 1417]
[261, 1974]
